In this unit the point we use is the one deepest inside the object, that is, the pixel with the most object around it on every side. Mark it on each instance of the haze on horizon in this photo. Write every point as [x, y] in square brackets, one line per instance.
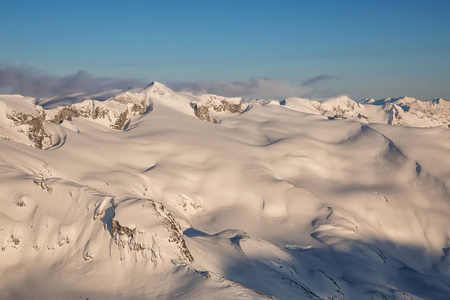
[270, 49]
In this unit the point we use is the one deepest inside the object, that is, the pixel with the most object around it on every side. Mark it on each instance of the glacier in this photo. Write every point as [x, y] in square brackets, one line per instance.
[150, 193]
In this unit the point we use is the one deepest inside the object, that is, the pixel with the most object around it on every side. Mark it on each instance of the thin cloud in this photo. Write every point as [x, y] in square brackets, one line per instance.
[251, 88]
[319, 79]
[258, 87]
[30, 81]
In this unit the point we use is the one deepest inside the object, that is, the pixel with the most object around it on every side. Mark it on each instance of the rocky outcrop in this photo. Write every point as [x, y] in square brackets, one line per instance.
[341, 107]
[111, 113]
[396, 115]
[209, 104]
[201, 111]
[114, 112]
[21, 120]
[116, 228]
[176, 233]
[158, 238]
[35, 133]
[137, 103]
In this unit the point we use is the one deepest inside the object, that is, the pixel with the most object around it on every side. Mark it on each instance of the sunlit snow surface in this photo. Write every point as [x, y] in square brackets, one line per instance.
[282, 201]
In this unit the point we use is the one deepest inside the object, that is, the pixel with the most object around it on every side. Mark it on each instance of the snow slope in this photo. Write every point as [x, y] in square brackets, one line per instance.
[278, 201]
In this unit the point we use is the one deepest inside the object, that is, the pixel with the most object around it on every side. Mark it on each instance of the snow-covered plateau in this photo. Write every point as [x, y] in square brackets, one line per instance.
[155, 194]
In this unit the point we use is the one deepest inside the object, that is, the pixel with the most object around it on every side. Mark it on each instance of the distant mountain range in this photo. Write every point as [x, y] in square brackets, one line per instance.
[22, 120]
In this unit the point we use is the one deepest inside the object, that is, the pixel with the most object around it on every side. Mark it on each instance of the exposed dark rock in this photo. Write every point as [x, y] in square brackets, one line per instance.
[216, 103]
[15, 240]
[65, 113]
[121, 230]
[35, 133]
[360, 116]
[134, 239]
[138, 104]
[201, 111]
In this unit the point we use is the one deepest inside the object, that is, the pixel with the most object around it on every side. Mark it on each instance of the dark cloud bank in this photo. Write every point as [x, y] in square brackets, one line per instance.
[30, 81]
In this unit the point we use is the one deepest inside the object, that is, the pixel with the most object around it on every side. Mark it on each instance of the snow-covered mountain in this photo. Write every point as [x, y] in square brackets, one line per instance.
[403, 111]
[154, 194]
[22, 120]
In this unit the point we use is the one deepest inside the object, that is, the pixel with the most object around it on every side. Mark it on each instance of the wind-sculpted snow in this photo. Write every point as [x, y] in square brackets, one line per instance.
[292, 201]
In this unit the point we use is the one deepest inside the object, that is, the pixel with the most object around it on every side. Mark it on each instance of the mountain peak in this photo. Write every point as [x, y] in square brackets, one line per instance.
[154, 83]
[438, 100]
[158, 88]
[406, 99]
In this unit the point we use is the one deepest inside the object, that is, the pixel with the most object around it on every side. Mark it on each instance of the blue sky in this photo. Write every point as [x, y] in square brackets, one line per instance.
[376, 48]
